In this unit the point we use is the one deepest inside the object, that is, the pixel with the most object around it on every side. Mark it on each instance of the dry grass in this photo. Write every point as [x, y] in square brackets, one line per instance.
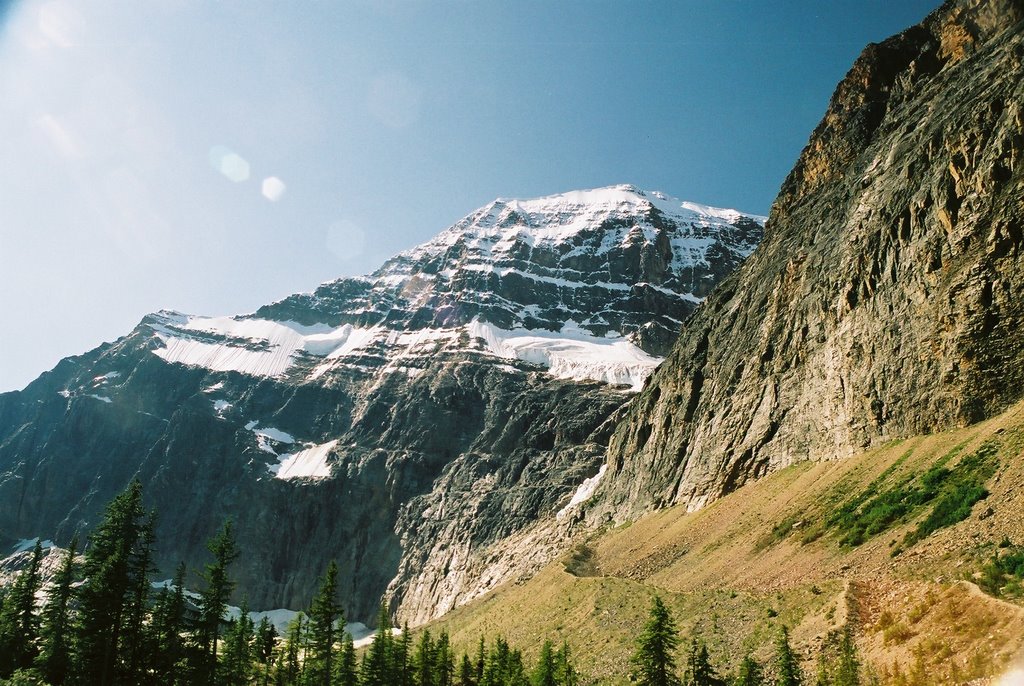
[728, 576]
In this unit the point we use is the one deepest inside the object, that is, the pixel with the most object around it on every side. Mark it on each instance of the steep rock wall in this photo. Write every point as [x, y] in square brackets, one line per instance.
[888, 295]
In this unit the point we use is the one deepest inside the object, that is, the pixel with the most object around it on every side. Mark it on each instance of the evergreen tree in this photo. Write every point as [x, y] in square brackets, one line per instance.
[325, 625]
[466, 672]
[423, 661]
[515, 672]
[750, 673]
[444, 665]
[346, 672]
[787, 667]
[236, 662]
[19, 624]
[266, 638]
[264, 641]
[504, 666]
[825, 667]
[403, 658]
[656, 646]
[848, 668]
[136, 643]
[497, 664]
[699, 671]
[213, 599]
[54, 660]
[479, 664]
[117, 554]
[567, 675]
[378, 667]
[546, 672]
[280, 670]
[166, 628]
[288, 669]
[304, 649]
[838, 662]
[263, 649]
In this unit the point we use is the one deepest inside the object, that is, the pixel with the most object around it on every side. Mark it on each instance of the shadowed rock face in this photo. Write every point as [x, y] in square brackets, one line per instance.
[527, 435]
[399, 423]
[887, 298]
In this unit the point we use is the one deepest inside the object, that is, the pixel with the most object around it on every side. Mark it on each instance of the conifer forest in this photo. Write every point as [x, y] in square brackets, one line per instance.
[102, 620]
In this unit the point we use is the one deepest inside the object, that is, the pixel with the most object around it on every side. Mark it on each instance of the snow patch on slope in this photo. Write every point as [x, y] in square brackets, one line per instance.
[267, 436]
[368, 638]
[29, 543]
[250, 346]
[584, 492]
[274, 434]
[257, 347]
[267, 348]
[572, 353]
[280, 618]
[310, 463]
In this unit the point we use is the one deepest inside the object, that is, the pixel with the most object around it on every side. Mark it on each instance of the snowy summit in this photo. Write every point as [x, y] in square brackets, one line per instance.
[589, 284]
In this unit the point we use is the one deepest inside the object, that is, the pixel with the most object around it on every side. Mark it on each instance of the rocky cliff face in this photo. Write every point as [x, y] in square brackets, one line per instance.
[401, 423]
[888, 295]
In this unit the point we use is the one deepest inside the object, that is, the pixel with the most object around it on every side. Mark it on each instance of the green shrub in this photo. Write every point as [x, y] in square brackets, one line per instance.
[778, 533]
[958, 492]
[1002, 574]
[896, 634]
[952, 492]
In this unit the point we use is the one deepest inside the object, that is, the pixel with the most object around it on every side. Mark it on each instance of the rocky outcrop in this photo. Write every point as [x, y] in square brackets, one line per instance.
[887, 298]
[406, 424]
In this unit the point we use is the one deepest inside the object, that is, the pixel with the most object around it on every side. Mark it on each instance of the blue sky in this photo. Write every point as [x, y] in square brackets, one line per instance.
[211, 156]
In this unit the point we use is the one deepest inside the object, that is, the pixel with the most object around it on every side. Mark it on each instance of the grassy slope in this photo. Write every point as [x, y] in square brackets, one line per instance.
[731, 573]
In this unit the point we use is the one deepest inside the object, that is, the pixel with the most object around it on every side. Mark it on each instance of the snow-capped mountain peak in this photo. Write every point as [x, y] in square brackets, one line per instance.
[558, 218]
[589, 284]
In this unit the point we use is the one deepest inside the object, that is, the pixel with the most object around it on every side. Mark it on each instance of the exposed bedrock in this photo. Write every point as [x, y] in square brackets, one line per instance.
[887, 298]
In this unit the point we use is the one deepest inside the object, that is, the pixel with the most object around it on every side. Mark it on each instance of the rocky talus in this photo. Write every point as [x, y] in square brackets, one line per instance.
[887, 298]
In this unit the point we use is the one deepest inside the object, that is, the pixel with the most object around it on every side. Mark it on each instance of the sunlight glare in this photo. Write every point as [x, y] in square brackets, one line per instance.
[60, 23]
[273, 188]
[346, 240]
[62, 139]
[1015, 677]
[229, 163]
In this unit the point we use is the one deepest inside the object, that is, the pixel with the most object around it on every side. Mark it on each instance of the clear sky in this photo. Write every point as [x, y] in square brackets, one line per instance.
[211, 156]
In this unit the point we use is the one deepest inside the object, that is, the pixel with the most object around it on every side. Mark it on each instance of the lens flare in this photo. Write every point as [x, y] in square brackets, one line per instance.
[229, 163]
[346, 240]
[273, 188]
[1015, 677]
